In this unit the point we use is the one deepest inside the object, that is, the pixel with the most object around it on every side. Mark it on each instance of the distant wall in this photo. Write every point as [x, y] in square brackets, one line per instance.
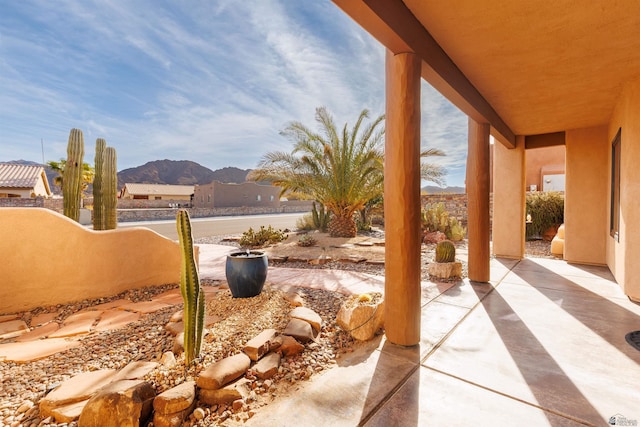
[48, 259]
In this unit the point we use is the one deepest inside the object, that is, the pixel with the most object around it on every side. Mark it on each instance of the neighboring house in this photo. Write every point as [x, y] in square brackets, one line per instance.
[24, 181]
[156, 192]
[222, 195]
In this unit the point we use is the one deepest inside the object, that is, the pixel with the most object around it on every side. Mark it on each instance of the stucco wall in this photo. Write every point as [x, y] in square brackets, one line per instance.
[622, 256]
[586, 201]
[223, 195]
[48, 259]
[546, 160]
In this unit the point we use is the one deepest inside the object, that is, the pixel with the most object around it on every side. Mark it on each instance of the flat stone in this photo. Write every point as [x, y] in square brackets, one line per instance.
[309, 316]
[33, 350]
[13, 328]
[108, 305]
[176, 419]
[116, 319]
[144, 307]
[267, 367]
[39, 332]
[362, 321]
[289, 346]
[124, 403]
[78, 327]
[175, 399]
[43, 319]
[172, 297]
[374, 262]
[224, 371]
[135, 370]
[365, 244]
[300, 330]
[445, 270]
[78, 388]
[83, 317]
[238, 390]
[68, 413]
[210, 320]
[260, 344]
[321, 260]
[174, 328]
[352, 260]
[7, 317]
[382, 243]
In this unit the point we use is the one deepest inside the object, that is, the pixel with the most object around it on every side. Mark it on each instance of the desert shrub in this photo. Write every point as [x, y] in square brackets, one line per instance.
[307, 240]
[546, 209]
[262, 237]
[436, 218]
[305, 223]
[320, 217]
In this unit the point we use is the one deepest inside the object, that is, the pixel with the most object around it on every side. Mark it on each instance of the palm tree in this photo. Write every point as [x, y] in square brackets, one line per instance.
[87, 173]
[341, 170]
[429, 171]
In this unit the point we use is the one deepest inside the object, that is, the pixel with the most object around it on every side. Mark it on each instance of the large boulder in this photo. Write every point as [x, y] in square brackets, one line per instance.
[362, 315]
[124, 403]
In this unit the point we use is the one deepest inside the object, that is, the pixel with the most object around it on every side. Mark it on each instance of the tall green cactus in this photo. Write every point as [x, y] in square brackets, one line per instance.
[98, 204]
[110, 188]
[72, 175]
[192, 293]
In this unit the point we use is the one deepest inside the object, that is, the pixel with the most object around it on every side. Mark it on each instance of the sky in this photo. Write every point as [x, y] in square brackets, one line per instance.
[209, 81]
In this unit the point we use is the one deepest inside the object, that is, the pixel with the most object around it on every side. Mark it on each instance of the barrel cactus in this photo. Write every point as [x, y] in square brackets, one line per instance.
[72, 175]
[110, 189]
[445, 251]
[192, 293]
[98, 204]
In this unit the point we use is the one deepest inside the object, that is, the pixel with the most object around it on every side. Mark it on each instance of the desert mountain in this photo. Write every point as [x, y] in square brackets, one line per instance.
[432, 189]
[180, 172]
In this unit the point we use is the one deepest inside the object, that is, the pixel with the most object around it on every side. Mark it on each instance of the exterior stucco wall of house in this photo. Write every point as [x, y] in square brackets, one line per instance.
[223, 195]
[16, 192]
[509, 200]
[586, 201]
[541, 161]
[49, 259]
[622, 256]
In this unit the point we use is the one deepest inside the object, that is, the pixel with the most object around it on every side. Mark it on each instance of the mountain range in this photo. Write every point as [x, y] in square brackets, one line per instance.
[177, 172]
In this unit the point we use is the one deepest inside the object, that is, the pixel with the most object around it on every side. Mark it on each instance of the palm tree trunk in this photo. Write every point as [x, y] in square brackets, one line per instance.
[342, 226]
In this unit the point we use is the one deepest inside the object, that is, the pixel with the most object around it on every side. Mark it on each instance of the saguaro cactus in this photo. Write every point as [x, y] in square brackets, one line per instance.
[98, 204]
[72, 175]
[110, 188]
[192, 293]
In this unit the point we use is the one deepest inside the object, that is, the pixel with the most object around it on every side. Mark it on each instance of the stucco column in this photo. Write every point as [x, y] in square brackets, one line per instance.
[402, 199]
[509, 180]
[478, 200]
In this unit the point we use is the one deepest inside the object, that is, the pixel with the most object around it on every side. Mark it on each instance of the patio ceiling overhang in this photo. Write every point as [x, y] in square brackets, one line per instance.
[527, 68]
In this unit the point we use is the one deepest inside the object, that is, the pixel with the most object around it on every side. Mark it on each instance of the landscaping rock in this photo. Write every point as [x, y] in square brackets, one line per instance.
[434, 237]
[362, 319]
[67, 413]
[13, 328]
[168, 359]
[125, 403]
[289, 346]
[267, 367]
[238, 390]
[300, 330]
[260, 345]
[174, 328]
[224, 371]
[178, 344]
[135, 371]
[309, 316]
[79, 388]
[294, 298]
[175, 399]
[445, 270]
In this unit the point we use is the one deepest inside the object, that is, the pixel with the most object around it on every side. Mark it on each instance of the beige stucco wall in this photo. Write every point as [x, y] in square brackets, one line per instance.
[546, 160]
[586, 201]
[48, 259]
[509, 200]
[622, 256]
[226, 195]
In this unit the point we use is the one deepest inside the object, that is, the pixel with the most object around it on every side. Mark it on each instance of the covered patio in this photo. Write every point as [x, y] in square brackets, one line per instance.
[542, 344]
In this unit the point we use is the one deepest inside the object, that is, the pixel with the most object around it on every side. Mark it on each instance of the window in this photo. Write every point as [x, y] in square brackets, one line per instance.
[258, 197]
[614, 224]
[208, 198]
[271, 198]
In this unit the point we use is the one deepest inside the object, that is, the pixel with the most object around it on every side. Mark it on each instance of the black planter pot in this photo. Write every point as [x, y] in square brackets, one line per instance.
[246, 273]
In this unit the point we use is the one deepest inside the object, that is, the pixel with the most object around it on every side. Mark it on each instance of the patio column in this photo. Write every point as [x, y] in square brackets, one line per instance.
[509, 200]
[478, 200]
[402, 199]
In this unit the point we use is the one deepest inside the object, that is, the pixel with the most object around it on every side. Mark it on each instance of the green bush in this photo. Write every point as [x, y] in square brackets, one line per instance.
[262, 237]
[436, 218]
[546, 209]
